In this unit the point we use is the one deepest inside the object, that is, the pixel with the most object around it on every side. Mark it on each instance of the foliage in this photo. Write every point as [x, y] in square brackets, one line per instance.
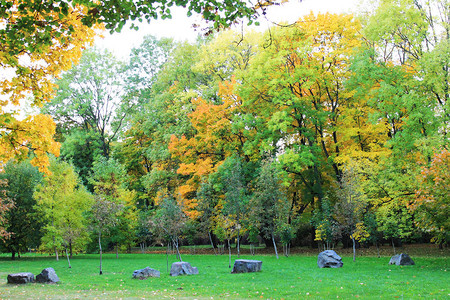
[22, 221]
[432, 199]
[90, 97]
[36, 47]
[63, 202]
[5, 205]
[270, 206]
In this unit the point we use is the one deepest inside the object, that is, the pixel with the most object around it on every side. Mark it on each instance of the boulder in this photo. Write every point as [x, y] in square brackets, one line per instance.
[20, 278]
[47, 275]
[146, 273]
[401, 260]
[182, 268]
[246, 266]
[329, 259]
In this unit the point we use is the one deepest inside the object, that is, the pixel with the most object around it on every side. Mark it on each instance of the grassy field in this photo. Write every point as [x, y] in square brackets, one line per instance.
[287, 278]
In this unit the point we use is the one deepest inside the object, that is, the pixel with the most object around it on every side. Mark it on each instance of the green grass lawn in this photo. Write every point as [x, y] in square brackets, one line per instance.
[290, 278]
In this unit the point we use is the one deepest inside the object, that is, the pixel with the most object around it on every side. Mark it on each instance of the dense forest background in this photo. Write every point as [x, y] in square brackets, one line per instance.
[332, 130]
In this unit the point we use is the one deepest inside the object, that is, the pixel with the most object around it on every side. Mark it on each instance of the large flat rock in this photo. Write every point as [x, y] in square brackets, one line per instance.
[20, 278]
[246, 266]
[145, 273]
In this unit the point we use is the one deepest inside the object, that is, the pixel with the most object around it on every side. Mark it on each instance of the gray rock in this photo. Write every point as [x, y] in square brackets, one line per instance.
[246, 266]
[182, 268]
[329, 259]
[401, 260]
[20, 278]
[146, 273]
[47, 275]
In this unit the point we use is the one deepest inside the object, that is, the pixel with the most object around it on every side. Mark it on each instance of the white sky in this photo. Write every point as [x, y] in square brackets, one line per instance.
[180, 26]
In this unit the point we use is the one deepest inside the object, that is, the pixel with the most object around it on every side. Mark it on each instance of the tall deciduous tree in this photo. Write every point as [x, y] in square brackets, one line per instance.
[63, 202]
[91, 97]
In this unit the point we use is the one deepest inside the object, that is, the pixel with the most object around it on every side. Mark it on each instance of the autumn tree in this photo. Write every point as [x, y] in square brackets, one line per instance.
[63, 202]
[36, 47]
[432, 199]
[294, 98]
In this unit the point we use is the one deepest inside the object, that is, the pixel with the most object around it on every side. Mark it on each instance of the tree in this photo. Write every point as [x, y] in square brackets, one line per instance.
[432, 199]
[232, 182]
[294, 97]
[104, 215]
[169, 221]
[110, 185]
[63, 201]
[91, 97]
[350, 208]
[269, 203]
[22, 222]
[36, 47]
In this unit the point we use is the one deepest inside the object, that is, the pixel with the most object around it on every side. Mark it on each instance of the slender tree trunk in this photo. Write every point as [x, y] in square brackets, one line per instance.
[167, 257]
[13, 255]
[393, 246]
[274, 246]
[70, 250]
[238, 238]
[55, 249]
[378, 249]
[354, 248]
[117, 250]
[100, 248]
[175, 242]
[229, 254]
[68, 258]
[212, 244]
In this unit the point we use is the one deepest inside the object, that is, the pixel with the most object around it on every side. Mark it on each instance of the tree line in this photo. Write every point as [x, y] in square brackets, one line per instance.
[330, 130]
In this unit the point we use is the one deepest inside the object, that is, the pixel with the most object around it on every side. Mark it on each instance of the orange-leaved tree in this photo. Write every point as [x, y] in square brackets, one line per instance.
[432, 202]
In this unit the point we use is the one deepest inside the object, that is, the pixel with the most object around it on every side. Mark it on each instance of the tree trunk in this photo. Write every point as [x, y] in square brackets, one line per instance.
[229, 254]
[56, 250]
[100, 248]
[117, 251]
[68, 259]
[238, 237]
[275, 246]
[167, 257]
[70, 250]
[13, 255]
[175, 242]
[393, 246]
[212, 244]
[378, 249]
[354, 247]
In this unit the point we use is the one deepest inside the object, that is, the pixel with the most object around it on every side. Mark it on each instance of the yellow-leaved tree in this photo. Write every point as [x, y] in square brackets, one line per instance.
[27, 70]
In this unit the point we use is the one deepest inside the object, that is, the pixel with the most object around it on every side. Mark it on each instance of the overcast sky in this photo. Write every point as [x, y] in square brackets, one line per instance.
[180, 26]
